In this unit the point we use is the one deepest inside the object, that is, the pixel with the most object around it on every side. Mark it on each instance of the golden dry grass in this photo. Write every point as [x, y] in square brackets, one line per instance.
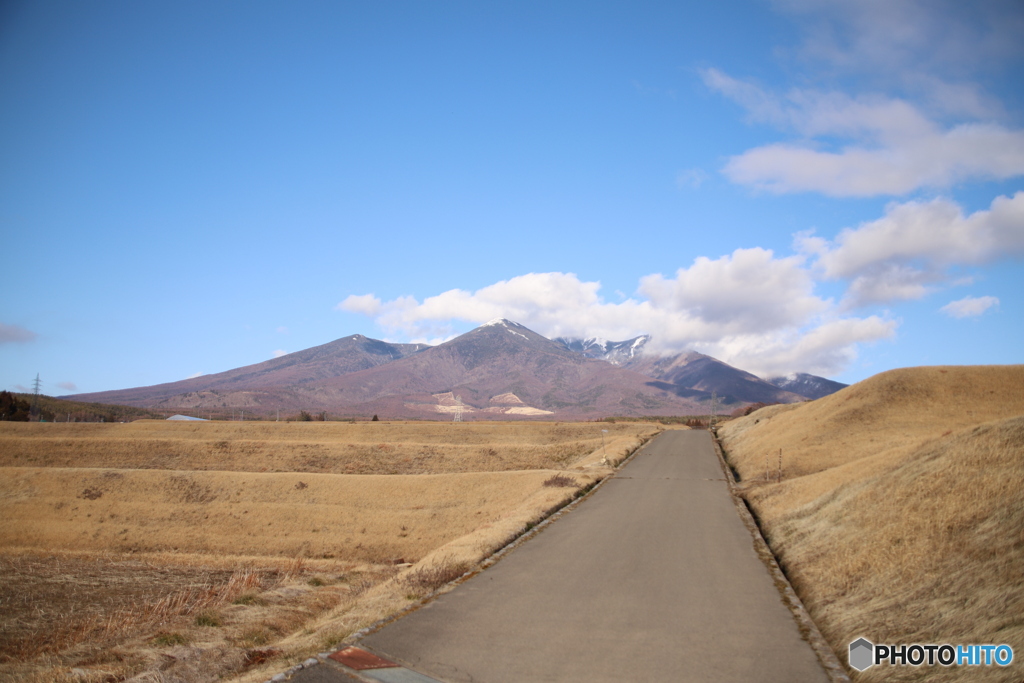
[129, 543]
[374, 518]
[900, 517]
[889, 413]
[318, 447]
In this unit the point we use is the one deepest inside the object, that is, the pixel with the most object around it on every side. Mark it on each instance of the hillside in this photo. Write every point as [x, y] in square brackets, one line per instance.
[695, 371]
[339, 357]
[810, 386]
[899, 513]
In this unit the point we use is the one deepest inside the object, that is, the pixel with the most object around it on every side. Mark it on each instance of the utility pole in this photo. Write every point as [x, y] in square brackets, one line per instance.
[714, 411]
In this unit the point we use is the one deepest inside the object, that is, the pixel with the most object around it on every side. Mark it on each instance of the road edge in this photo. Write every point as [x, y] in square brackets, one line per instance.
[808, 629]
[496, 556]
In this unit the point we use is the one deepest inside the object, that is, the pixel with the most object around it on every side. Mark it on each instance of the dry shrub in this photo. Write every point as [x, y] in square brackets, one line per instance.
[294, 569]
[430, 578]
[560, 480]
[257, 656]
[169, 639]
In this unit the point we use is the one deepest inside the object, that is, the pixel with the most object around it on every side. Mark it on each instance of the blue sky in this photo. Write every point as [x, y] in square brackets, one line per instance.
[788, 186]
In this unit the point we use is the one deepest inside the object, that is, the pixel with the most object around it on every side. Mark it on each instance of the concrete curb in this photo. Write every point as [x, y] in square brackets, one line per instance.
[808, 629]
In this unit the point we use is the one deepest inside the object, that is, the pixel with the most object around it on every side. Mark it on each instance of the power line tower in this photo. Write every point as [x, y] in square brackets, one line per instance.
[458, 409]
[35, 397]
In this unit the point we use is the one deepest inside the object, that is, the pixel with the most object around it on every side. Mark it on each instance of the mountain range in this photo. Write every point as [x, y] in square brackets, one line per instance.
[500, 370]
[697, 371]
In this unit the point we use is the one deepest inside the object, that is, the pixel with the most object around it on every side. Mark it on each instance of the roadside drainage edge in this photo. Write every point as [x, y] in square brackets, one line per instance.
[808, 629]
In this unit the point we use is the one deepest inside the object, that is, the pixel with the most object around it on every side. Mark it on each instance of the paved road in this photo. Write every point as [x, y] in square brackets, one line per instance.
[652, 578]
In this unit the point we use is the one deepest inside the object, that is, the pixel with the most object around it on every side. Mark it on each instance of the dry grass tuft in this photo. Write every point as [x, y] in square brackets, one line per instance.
[909, 529]
[560, 480]
[430, 578]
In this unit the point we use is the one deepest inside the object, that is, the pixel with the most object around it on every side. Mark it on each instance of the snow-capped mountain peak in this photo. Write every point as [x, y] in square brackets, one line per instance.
[614, 352]
[503, 322]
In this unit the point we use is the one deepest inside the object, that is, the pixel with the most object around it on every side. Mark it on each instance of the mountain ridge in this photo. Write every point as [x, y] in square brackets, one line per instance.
[341, 356]
[534, 375]
[691, 370]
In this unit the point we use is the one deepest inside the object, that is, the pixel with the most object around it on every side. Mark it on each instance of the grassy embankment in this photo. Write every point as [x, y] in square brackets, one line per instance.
[900, 514]
[202, 550]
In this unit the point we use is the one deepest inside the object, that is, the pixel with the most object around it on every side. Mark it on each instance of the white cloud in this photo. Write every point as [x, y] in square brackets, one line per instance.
[890, 282]
[367, 304]
[749, 308]
[889, 146]
[936, 231]
[748, 291]
[11, 334]
[969, 306]
[280, 352]
[935, 159]
[824, 349]
[903, 254]
[282, 330]
[196, 374]
[67, 386]
[912, 111]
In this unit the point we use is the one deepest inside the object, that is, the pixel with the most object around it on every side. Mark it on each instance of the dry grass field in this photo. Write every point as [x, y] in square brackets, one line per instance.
[176, 551]
[900, 514]
[318, 447]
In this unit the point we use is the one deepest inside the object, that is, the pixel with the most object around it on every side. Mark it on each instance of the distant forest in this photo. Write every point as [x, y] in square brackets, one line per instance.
[18, 408]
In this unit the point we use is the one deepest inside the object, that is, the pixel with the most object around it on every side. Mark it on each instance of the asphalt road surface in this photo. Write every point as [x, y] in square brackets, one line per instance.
[652, 578]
